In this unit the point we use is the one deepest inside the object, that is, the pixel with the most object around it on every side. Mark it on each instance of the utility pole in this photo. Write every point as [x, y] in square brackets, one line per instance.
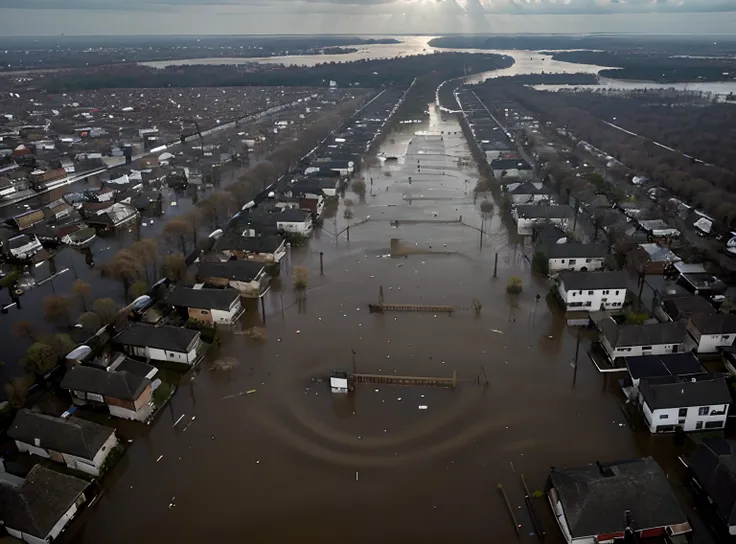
[495, 266]
[321, 263]
[482, 226]
[577, 352]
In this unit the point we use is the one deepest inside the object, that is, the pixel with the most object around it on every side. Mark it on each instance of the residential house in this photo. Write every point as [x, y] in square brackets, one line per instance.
[77, 443]
[24, 246]
[709, 332]
[528, 215]
[575, 256]
[38, 508]
[637, 340]
[248, 277]
[661, 366]
[28, 219]
[657, 229]
[268, 250]
[713, 468]
[651, 259]
[108, 215]
[212, 306]
[682, 307]
[600, 502]
[328, 186]
[546, 234]
[527, 193]
[165, 344]
[511, 168]
[688, 403]
[704, 284]
[592, 291]
[127, 395]
[7, 187]
[294, 221]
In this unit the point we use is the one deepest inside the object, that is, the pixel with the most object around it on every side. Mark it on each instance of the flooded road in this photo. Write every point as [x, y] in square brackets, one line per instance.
[293, 462]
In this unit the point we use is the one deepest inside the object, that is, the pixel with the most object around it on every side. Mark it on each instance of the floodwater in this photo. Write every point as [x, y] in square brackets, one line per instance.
[292, 462]
[715, 87]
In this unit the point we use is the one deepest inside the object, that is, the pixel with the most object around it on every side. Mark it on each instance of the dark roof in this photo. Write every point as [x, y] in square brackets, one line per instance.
[207, 299]
[165, 337]
[714, 323]
[117, 384]
[543, 211]
[686, 306]
[714, 464]
[252, 244]
[36, 506]
[575, 250]
[652, 334]
[671, 364]
[505, 164]
[595, 497]
[292, 215]
[580, 281]
[232, 270]
[679, 392]
[66, 435]
[527, 188]
[138, 368]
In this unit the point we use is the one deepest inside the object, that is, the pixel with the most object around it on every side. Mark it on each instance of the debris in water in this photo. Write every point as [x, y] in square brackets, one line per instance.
[496, 331]
[399, 399]
[159, 458]
[356, 475]
[298, 331]
[422, 406]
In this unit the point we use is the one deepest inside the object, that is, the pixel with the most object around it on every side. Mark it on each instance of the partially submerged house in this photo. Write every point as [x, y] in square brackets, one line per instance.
[127, 395]
[574, 256]
[652, 259]
[528, 215]
[107, 216]
[636, 340]
[165, 344]
[211, 306]
[38, 508]
[707, 333]
[713, 466]
[268, 250]
[600, 502]
[248, 277]
[592, 291]
[682, 307]
[77, 443]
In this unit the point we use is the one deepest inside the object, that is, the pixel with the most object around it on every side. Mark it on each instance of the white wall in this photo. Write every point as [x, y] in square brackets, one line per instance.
[576, 264]
[23, 536]
[709, 343]
[637, 351]
[63, 521]
[670, 416]
[524, 225]
[304, 227]
[592, 300]
[33, 450]
[529, 199]
[125, 413]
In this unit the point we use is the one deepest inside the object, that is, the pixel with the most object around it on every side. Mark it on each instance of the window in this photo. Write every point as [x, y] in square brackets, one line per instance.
[698, 425]
[704, 411]
[575, 304]
[646, 348]
[606, 291]
[562, 261]
[573, 293]
[604, 300]
[682, 412]
[617, 292]
[590, 292]
[572, 261]
[713, 424]
[663, 416]
[588, 260]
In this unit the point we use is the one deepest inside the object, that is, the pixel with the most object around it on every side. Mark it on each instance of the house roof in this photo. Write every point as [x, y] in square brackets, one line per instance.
[671, 364]
[542, 211]
[575, 250]
[714, 323]
[505, 164]
[164, 337]
[292, 215]
[657, 253]
[232, 270]
[580, 281]
[652, 334]
[207, 299]
[595, 497]
[117, 384]
[67, 435]
[251, 244]
[714, 464]
[36, 506]
[137, 368]
[681, 392]
[680, 307]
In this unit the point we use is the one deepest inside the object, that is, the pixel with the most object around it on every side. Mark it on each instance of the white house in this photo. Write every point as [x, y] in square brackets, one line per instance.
[213, 306]
[511, 168]
[529, 215]
[592, 291]
[527, 193]
[79, 444]
[708, 332]
[38, 508]
[698, 403]
[637, 340]
[575, 256]
[160, 344]
[24, 246]
[294, 221]
[248, 277]
[713, 465]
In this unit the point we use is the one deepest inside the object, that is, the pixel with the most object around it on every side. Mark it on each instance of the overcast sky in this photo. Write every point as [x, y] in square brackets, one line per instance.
[105, 17]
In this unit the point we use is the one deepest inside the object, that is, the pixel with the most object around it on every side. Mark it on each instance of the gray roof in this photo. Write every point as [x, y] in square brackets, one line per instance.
[543, 211]
[254, 244]
[66, 435]
[136, 367]
[581, 281]
[714, 323]
[681, 392]
[653, 334]
[36, 506]
[117, 384]
[714, 464]
[687, 305]
[670, 364]
[575, 250]
[232, 270]
[165, 337]
[208, 299]
[594, 498]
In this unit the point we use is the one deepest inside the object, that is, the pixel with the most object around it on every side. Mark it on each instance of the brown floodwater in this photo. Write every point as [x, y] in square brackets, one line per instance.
[293, 462]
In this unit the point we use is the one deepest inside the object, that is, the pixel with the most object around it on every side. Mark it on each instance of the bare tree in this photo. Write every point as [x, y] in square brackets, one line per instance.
[174, 267]
[107, 309]
[61, 344]
[147, 251]
[56, 309]
[90, 321]
[217, 208]
[17, 389]
[125, 267]
[177, 233]
[138, 289]
[24, 329]
[39, 358]
[81, 289]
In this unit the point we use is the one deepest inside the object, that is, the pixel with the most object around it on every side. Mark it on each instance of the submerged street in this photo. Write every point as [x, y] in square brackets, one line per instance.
[292, 461]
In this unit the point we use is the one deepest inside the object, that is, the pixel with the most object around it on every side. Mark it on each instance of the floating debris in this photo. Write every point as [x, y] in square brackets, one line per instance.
[422, 406]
